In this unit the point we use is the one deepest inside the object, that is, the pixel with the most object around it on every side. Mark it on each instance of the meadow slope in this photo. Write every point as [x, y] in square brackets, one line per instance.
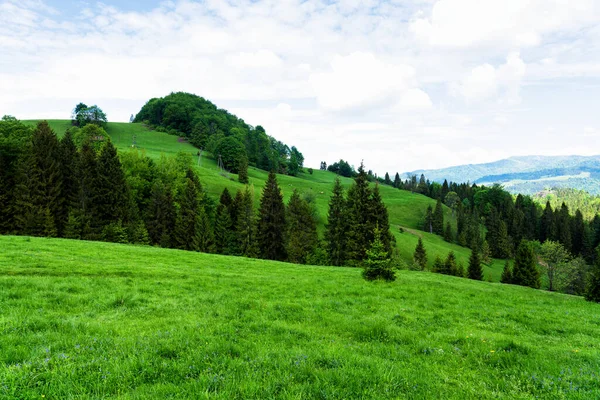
[99, 320]
[406, 209]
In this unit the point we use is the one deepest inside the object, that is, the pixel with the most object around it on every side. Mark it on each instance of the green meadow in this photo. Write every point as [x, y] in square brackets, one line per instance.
[406, 209]
[98, 320]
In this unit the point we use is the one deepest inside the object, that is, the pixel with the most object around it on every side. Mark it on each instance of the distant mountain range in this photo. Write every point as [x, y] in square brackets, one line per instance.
[526, 174]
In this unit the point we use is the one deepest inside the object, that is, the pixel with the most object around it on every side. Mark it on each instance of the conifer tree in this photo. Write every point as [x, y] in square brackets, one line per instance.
[593, 289]
[578, 234]
[38, 199]
[448, 233]
[225, 229]
[301, 235]
[548, 225]
[359, 216]
[486, 255]
[428, 227]
[387, 179]
[438, 219]
[525, 272]
[475, 271]
[185, 235]
[445, 189]
[438, 265]
[204, 239]
[111, 191]
[420, 255]
[506, 273]
[335, 230]
[87, 183]
[245, 223]
[564, 227]
[397, 181]
[450, 265]
[161, 215]
[377, 265]
[379, 219]
[503, 246]
[68, 163]
[270, 234]
[243, 169]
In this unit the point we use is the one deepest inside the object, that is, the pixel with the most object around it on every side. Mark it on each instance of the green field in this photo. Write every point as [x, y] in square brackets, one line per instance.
[406, 209]
[98, 320]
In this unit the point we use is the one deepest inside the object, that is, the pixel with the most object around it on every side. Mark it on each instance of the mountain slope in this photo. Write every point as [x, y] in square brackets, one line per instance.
[102, 320]
[526, 174]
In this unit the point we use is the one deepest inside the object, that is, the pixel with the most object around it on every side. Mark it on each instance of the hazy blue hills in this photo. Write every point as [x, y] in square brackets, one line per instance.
[526, 174]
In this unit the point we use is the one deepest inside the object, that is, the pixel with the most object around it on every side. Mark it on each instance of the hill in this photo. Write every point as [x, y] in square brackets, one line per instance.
[527, 174]
[406, 209]
[86, 319]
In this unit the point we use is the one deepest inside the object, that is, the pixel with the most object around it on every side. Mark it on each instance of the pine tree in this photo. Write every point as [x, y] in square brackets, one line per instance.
[204, 239]
[564, 227]
[302, 236]
[335, 230]
[38, 198]
[387, 179]
[397, 181]
[506, 273]
[450, 266]
[438, 265]
[243, 169]
[548, 225]
[486, 255]
[189, 209]
[503, 246]
[445, 189]
[270, 233]
[245, 223]
[68, 163]
[379, 219]
[438, 219]
[162, 215]
[578, 234]
[377, 265]
[87, 183]
[420, 255]
[448, 233]
[359, 216]
[525, 272]
[593, 289]
[112, 197]
[475, 271]
[428, 227]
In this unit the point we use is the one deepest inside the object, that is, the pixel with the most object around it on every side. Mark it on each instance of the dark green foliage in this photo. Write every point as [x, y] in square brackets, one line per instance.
[548, 230]
[231, 151]
[475, 271]
[506, 273]
[525, 272]
[448, 233]
[387, 179]
[342, 168]
[438, 265]
[397, 181]
[335, 230]
[83, 115]
[68, 163]
[437, 222]
[243, 169]
[378, 265]
[204, 239]
[420, 255]
[245, 221]
[38, 190]
[271, 225]
[87, 182]
[428, 226]
[186, 225]
[380, 219]
[450, 265]
[111, 190]
[161, 215]
[301, 235]
[593, 289]
[114, 232]
[486, 256]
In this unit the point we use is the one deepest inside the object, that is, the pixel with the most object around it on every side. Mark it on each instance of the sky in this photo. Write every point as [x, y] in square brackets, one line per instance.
[402, 85]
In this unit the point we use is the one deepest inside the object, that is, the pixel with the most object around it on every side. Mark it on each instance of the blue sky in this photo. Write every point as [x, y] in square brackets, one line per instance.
[401, 84]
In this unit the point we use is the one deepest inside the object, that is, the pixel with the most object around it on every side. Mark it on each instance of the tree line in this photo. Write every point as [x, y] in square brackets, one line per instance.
[221, 133]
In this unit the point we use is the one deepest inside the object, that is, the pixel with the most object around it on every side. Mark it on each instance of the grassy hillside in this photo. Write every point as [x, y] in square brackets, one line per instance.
[406, 209]
[82, 319]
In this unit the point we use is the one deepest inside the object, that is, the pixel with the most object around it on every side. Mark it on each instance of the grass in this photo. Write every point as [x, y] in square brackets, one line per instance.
[406, 209]
[97, 320]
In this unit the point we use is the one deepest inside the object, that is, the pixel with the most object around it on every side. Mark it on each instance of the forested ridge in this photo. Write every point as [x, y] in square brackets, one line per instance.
[220, 132]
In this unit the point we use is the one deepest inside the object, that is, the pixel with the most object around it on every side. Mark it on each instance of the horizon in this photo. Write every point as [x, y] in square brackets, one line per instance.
[404, 86]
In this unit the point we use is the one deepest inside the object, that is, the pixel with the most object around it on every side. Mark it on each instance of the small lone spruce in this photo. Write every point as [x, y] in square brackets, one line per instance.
[420, 255]
[378, 264]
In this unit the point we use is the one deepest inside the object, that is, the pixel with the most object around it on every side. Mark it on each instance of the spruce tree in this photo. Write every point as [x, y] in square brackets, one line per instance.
[525, 272]
[593, 289]
[448, 233]
[438, 265]
[438, 219]
[378, 265]
[503, 246]
[185, 237]
[112, 197]
[397, 181]
[270, 233]
[578, 234]
[379, 219]
[302, 236]
[68, 163]
[245, 223]
[387, 179]
[486, 255]
[564, 227]
[87, 183]
[548, 224]
[420, 255]
[506, 273]
[161, 216]
[359, 216]
[243, 169]
[428, 226]
[225, 230]
[335, 230]
[450, 265]
[204, 239]
[475, 271]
